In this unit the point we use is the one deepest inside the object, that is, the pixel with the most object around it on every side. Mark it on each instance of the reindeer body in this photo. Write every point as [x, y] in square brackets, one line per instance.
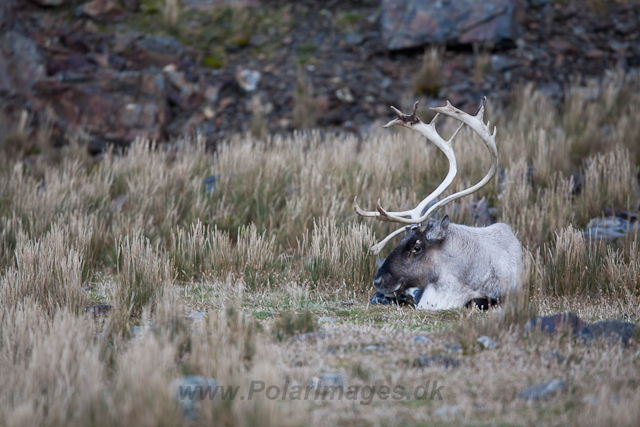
[455, 266]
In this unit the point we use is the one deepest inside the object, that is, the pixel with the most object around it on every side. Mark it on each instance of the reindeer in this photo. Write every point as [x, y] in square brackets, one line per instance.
[441, 264]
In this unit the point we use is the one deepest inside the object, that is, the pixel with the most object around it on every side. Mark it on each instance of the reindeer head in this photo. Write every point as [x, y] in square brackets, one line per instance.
[414, 262]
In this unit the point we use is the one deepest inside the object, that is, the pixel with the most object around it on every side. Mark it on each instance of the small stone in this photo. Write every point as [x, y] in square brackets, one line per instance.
[373, 347]
[209, 184]
[590, 400]
[457, 348]
[208, 113]
[502, 63]
[100, 310]
[310, 336]
[344, 95]
[487, 342]
[553, 356]
[326, 380]
[248, 79]
[543, 391]
[447, 411]
[196, 316]
[101, 9]
[420, 339]
[445, 362]
[118, 202]
[187, 401]
[354, 39]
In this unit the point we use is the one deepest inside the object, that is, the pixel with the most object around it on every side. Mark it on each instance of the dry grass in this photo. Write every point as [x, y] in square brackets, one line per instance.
[428, 79]
[276, 246]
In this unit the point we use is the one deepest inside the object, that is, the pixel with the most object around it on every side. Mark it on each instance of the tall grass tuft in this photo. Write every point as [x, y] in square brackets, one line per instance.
[48, 272]
[142, 273]
[339, 256]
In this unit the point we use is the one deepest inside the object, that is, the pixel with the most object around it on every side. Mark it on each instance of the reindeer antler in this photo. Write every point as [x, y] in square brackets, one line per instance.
[429, 131]
[416, 216]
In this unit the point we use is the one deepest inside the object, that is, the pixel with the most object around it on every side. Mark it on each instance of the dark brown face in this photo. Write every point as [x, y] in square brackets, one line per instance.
[411, 262]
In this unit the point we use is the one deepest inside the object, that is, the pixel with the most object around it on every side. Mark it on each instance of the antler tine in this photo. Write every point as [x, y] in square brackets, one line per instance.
[404, 119]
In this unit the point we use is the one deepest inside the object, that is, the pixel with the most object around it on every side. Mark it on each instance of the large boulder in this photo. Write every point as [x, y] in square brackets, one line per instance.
[116, 106]
[414, 23]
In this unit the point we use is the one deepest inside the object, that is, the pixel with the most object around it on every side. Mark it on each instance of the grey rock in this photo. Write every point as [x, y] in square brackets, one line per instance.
[187, 392]
[310, 336]
[373, 347]
[118, 202]
[414, 23]
[591, 400]
[354, 39]
[608, 228]
[553, 356]
[196, 316]
[420, 339]
[457, 348]
[502, 63]
[613, 331]
[487, 342]
[21, 63]
[551, 324]
[544, 390]
[327, 319]
[344, 94]
[447, 411]
[248, 79]
[436, 360]
[209, 184]
[100, 310]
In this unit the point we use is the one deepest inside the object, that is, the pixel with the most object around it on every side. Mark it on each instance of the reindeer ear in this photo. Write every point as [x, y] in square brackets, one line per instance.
[444, 222]
[437, 230]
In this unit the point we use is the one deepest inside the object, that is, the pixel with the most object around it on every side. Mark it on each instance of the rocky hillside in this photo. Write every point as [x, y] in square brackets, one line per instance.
[115, 70]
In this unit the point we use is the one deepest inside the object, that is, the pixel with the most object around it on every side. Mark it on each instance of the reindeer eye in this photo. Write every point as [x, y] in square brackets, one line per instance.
[417, 249]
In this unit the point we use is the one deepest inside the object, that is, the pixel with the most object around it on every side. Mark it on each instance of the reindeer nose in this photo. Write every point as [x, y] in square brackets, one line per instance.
[377, 281]
[380, 278]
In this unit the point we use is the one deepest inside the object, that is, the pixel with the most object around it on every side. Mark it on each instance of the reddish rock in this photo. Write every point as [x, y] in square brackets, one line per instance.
[114, 106]
[101, 10]
[159, 51]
